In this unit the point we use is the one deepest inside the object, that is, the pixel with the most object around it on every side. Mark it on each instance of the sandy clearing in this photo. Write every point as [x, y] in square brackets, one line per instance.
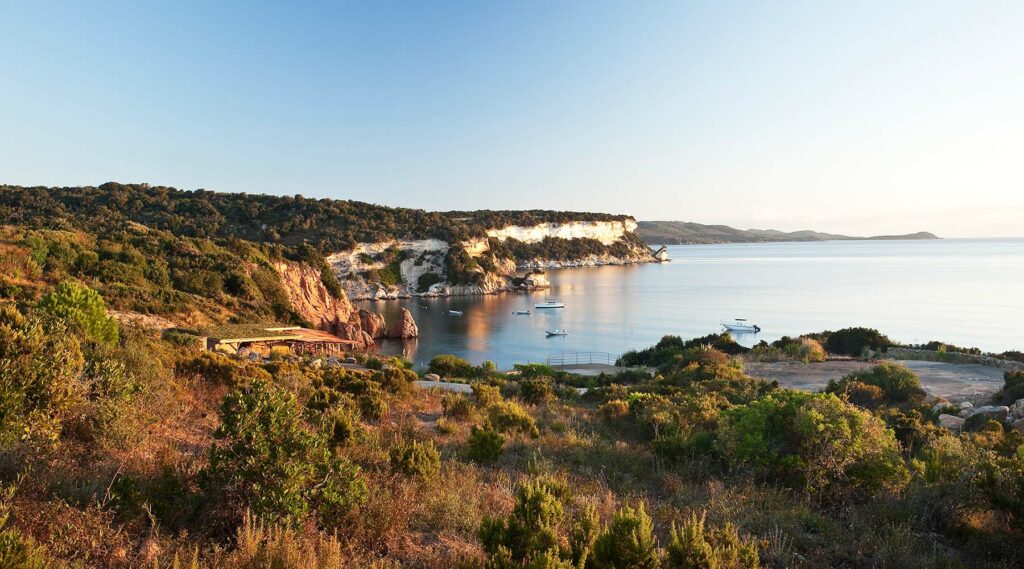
[957, 382]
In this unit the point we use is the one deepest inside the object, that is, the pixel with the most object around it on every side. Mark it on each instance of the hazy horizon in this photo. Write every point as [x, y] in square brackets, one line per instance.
[867, 119]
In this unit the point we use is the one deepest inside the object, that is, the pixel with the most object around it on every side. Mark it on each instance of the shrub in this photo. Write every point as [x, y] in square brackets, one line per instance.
[507, 417]
[456, 406]
[340, 426]
[17, 551]
[1013, 386]
[813, 441]
[267, 460]
[528, 537]
[611, 410]
[536, 391]
[897, 382]
[628, 541]
[426, 280]
[855, 341]
[373, 405]
[415, 459]
[84, 307]
[691, 547]
[484, 445]
[40, 372]
[446, 365]
[486, 395]
[862, 394]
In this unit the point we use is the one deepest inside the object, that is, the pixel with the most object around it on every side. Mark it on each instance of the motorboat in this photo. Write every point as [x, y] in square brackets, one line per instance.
[556, 332]
[741, 325]
[454, 313]
[521, 312]
[550, 303]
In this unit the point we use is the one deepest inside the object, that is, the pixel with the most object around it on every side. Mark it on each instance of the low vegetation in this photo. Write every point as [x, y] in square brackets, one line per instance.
[123, 448]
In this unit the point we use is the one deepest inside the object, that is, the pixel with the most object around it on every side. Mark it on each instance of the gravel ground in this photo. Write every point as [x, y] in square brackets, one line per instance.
[956, 382]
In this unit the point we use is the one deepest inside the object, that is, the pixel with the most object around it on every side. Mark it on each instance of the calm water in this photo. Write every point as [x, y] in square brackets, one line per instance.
[967, 292]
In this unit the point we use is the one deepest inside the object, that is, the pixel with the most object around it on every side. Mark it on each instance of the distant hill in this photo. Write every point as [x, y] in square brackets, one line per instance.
[685, 232]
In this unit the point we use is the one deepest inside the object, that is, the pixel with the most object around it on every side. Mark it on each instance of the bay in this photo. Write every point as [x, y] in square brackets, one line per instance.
[963, 291]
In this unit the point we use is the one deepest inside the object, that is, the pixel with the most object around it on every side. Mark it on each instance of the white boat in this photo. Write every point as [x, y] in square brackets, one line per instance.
[521, 312]
[550, 303]
[454, 313]
[557, 332]
[741, 325]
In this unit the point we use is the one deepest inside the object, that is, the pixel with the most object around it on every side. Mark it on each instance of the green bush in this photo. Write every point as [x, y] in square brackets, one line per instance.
[40, 378]
[83, 306]
[508, 417]
[269, 461]
[529, 536]
[897, 382]
[373, 405]
[814, 442]
[415, 459]
[1013, 387]
[425, 281]
[446, 365]
[486, 395]
[855, 341]
[484, 445]
[18, 551]
[536, 391]
[340, 426]
[456, 406]
[628, 541]
[691, 547]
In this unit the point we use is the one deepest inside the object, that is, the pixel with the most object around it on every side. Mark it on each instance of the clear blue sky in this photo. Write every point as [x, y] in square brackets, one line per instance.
[858, 117]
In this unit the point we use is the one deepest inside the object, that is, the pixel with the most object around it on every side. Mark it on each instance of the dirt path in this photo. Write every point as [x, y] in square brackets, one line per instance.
[957, 382]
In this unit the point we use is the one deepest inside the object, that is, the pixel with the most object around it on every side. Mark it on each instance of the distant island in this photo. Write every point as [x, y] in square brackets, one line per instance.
[685, 233]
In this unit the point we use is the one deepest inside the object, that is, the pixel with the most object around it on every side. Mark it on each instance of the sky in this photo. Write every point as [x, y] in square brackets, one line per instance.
[862, 118]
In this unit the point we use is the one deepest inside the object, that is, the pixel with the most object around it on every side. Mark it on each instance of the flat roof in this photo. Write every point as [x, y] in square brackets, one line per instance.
[238, 333]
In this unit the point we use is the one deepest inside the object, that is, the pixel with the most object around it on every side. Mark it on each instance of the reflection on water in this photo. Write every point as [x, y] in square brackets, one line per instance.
[961, 291]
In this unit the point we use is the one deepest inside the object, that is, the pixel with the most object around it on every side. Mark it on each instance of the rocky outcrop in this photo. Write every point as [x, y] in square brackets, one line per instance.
[311, 301]
[405, 328]
[372, 323]
[951, 422]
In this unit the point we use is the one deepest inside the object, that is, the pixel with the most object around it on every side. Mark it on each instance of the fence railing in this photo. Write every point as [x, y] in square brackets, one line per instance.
[582, 358]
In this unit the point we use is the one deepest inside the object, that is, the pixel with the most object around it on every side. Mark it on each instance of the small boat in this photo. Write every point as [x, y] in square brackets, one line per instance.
[550, 303]
[521, 312]
[454, 313]
[556, 332]
[741, 325]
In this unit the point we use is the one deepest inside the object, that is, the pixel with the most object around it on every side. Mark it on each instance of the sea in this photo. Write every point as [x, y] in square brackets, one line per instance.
[967, 292]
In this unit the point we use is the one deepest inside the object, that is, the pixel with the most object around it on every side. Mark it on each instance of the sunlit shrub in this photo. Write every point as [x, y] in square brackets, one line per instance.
[536, 391]
[446, 365]
[456, 406]
[415, 459]
[508, 417]
[898, 383]
[486, 395]
[40, 372]
[691, 546]
[268, 461]
[484, 445]
[628, 541]
[813, 441]
[84, 307]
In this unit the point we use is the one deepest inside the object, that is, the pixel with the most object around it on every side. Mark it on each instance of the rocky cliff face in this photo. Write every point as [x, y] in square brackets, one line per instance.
[403, 269]
[310, 299]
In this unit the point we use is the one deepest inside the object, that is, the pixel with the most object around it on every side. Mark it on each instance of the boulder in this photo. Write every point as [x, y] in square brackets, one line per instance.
[942, 405]
[997, 412]
[372, 323]
[951, 422]
[405, 327]
[1017, 409]
[1018, 425]
[966, 405]
[432, 377]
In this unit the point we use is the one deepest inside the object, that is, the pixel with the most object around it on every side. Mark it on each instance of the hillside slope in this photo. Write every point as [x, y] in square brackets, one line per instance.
[684, 232]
